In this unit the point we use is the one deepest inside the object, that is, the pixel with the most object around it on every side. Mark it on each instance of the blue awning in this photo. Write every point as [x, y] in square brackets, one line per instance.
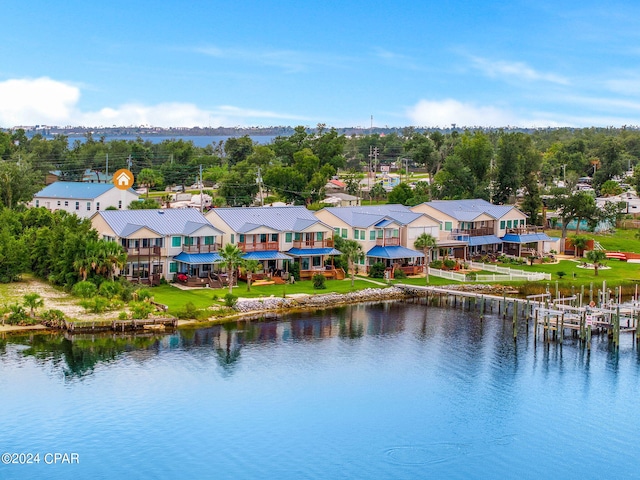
[526, 238]
[305, 252]
[484, 240]
[393, 252]
[266, 255]
[198, 258]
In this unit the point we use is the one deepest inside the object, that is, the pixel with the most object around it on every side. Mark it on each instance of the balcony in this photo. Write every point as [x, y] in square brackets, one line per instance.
[473, 232]
[143, 251]
[328, 243]
[214, 247]
[258, 247]
[388, 242]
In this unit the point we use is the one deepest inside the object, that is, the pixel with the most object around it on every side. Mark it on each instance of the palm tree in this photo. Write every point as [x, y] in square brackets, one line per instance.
[111, 257]
[232, 258]
[33, 301]
[149, 178]
[579, 244]
[352, 250]
[426, 243]
[596, 257]
[251, 266]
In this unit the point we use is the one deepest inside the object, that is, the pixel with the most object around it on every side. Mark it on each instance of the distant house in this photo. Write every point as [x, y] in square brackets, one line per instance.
[162, 243]
[334, 186]
[83, 199]
[341, 200]
[95, 176]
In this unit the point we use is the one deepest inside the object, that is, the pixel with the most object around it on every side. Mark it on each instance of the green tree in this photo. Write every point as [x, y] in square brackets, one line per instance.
[251, 267]
[596, 257]
[352, 251]
[426, 243]
[610, 188]
[400, 194]
[146, 204]
[32, 301]
[149, 178]
[579, 243]
[232, 258]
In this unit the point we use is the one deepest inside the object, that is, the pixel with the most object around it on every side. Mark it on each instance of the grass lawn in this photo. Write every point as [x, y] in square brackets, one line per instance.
[620, 241]
[177, 298]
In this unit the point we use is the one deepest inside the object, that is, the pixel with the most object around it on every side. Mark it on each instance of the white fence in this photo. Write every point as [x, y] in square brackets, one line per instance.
[506, 273]
[502, 274]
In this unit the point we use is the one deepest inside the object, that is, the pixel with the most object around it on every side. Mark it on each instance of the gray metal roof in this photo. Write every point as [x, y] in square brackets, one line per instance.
[282, 219]
[368, 215]
[171, 221]
[469, 210]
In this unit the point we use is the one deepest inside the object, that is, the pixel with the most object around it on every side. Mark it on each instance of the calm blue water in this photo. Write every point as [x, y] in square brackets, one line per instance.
[385, 391]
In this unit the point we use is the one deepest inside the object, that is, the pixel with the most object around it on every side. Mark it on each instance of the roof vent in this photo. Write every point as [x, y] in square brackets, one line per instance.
[161, 212]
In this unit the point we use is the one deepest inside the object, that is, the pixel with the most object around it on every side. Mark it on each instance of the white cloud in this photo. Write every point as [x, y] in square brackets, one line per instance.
[517, 70]
[36, 101]
[44, 101]
[449, 111]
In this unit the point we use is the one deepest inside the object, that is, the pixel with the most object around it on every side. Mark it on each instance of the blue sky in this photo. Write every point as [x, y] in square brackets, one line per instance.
[262, 63]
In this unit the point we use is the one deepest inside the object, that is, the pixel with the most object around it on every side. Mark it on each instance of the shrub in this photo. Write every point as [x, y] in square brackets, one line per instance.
[377, 270]
[319, 281]
[294, 270]
[449, 264]
[141, 309]
[399, 274]
[123, 315]
[17, 314]
[143, 294]
[96, 304]
[436, 264]
[52, 318]
[230, 300]
[84, 289]
[561, 274]
[109, 289]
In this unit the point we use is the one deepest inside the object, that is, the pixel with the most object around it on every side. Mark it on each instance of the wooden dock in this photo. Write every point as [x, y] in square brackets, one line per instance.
[148, 324]
[553, 317]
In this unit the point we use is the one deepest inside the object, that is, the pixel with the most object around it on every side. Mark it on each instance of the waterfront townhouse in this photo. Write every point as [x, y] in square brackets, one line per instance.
[276, 236]
[83, 199]
[476, 227]
[169, 243]
[385, 232]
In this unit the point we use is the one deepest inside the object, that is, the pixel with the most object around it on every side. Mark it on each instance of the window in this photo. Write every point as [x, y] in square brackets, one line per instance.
[119, 203]
[372, 235]
[66, 204]
[97, 205]
[356, 233]
[77, 205]
[447, 226]
[317, 261]
[396, 233]
[88, 206]
[209, 240]
[159, 242]
[274, 237]
[233, 238]
[502, 224]
[508, 223]
[522, 222]
[240, 238]
[336, 232]
[37, 203]
[175, 241]
[173, 267]
[319, 236]
[380, 233]
[59, 203]
[344, 233]
[297, 236]
[288, 237]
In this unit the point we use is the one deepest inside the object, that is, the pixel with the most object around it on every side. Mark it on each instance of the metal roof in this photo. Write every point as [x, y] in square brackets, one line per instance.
[484, 240]
[303, 252]
[368, 215]
[469, 210]
[170, 221]
[198, 258]
[393, 252]
[282, 219]
[75, 190]
[527, 238]
[266, 255]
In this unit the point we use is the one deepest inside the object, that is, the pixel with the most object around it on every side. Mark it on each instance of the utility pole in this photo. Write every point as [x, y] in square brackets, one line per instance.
[259, 181]
[129, 162]
[107, 174]
[201, 192]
